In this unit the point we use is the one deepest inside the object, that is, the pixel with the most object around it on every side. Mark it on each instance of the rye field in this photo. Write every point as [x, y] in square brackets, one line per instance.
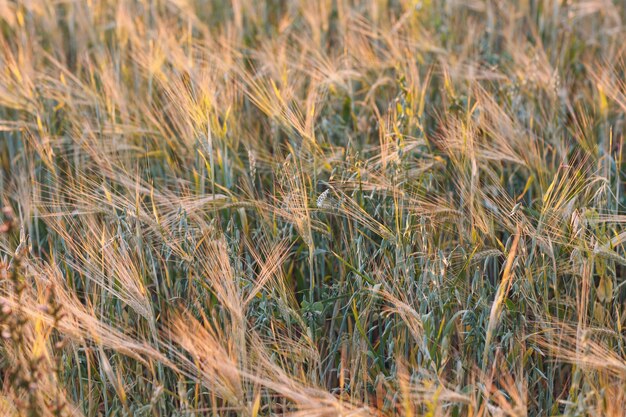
[312, 208]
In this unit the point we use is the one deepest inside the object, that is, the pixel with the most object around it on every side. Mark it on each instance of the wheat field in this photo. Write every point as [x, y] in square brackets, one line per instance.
[312, 208]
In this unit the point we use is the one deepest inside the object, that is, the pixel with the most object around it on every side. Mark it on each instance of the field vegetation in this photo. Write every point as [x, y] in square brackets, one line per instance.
[312, 208]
